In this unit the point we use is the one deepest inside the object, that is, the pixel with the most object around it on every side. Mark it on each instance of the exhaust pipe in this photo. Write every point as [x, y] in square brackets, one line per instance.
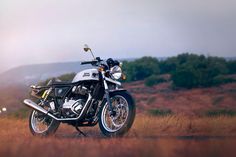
[33, 105]
[38, 108]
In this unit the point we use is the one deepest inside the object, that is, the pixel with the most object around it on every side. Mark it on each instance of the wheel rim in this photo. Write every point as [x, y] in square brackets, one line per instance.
[40, 123]
[115, 123]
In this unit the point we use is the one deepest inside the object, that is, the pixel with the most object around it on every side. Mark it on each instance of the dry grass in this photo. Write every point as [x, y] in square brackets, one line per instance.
[150, 136]
[180, 125]
[192, 102]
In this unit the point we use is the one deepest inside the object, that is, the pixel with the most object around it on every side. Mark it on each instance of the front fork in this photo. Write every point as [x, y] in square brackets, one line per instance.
[107, 95]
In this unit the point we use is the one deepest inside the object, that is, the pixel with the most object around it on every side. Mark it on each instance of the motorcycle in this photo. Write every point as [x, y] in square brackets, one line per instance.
[95, 96]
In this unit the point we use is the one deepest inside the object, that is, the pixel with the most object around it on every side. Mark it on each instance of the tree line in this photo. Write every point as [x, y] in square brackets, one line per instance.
[186, 70]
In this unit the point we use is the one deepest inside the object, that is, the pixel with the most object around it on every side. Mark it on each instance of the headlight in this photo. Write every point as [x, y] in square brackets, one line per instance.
[116, 72]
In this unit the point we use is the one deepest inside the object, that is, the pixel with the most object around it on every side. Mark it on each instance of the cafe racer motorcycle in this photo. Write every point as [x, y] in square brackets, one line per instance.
[93, 97]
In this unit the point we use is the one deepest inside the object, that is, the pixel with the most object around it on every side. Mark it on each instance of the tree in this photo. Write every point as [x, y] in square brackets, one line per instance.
[231, 65]
[141, 68]
[185, 77]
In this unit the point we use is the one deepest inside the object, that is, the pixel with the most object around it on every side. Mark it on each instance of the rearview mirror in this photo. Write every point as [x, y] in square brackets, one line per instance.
[86, 48]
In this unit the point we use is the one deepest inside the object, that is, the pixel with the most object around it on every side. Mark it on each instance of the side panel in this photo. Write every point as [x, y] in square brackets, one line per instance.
[90, 74]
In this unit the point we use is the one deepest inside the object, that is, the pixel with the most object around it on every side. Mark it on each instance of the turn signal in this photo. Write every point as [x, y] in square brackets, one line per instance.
[100, 69]
[123, 77]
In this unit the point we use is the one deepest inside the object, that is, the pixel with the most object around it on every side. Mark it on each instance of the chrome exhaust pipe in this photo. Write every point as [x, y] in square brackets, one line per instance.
[36, 107]
[33, 105]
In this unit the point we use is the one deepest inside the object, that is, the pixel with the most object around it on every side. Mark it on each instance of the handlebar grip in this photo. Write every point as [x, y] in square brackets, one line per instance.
[89, 62]
[82, 63]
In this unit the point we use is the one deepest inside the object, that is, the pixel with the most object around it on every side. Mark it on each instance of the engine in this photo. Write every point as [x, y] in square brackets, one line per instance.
[81, 90]
[73, 106]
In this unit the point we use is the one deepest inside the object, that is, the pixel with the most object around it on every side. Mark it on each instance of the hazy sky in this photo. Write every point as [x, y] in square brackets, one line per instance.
[42, 31]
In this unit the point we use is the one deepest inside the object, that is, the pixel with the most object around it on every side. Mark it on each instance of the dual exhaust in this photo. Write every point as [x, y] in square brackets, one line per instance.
[38, 108]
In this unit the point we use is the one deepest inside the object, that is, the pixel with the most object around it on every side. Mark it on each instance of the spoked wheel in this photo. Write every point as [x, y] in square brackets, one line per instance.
[41, 124]
[119, 123]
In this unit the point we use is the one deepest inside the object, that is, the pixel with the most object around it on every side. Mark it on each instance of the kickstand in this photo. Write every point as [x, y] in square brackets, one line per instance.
[77, 128]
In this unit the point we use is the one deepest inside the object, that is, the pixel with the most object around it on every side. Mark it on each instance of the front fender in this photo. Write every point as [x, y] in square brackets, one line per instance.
[117, 91]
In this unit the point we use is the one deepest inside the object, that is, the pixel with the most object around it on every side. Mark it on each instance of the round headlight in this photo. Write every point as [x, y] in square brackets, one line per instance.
[116, 72]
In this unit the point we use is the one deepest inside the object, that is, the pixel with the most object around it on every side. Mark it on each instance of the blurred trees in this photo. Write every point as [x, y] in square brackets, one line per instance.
[154, 79]
[231, 65]
[65, 78]
[141, 68]
[187, 70]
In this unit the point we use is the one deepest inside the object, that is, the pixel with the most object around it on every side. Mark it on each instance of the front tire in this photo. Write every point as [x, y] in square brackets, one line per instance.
[41, 124]
[120, 123]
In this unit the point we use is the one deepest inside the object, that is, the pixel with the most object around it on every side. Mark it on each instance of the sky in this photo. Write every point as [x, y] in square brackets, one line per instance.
[45, 31]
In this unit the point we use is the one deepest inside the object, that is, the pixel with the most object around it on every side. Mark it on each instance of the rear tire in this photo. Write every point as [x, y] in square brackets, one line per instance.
[126, 125]
[51, 124]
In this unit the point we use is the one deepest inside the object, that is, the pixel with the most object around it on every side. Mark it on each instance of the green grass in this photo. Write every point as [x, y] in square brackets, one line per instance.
[160, 112]
[154, 80]
[221, 112]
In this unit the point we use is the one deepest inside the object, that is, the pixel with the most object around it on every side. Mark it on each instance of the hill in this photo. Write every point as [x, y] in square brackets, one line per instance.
[192, 102]
[29, 74]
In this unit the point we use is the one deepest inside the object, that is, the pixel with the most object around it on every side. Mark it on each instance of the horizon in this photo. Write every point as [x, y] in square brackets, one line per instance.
[61, 62]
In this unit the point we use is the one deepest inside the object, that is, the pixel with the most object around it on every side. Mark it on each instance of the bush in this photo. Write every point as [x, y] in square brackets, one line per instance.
[221, 79]
[154, 80]
[231, 65]
[188, 70]
[198, 71]
[221, 112]
[160, 112]
[169, 65]
[185, 77]
[141, 68]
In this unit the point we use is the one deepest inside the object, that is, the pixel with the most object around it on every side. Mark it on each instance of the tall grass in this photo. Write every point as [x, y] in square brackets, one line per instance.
[221, 112]
[160, 112]
[142, 140]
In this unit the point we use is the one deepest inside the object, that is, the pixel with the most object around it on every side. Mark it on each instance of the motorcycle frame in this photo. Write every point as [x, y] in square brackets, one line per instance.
[102, 79]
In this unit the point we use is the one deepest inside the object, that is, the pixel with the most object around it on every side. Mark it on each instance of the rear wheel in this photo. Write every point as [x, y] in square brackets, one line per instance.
[41, 124]
[123, 118]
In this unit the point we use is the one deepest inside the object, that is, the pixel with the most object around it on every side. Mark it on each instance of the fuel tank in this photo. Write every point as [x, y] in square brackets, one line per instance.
[89, 74]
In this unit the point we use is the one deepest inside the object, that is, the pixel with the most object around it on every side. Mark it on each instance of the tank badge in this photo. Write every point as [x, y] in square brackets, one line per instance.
[86, 75]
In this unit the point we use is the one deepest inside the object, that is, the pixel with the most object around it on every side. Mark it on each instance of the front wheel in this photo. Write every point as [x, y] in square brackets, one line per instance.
[121, 121]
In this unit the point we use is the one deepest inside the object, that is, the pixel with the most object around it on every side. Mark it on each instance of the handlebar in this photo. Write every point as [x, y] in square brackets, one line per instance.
[110, 62]
[93, 62]
[89, 62]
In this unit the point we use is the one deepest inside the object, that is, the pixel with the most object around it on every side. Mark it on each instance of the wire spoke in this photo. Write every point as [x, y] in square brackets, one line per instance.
[114, 123]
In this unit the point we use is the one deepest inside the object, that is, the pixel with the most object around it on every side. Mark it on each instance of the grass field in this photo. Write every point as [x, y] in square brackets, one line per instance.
[193, 127]
[150, 136]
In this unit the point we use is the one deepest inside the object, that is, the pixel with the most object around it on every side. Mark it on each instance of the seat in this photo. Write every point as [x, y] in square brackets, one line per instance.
[57, 82]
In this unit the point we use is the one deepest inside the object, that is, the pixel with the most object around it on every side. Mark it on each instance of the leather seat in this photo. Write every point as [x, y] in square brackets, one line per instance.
[57, 82]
